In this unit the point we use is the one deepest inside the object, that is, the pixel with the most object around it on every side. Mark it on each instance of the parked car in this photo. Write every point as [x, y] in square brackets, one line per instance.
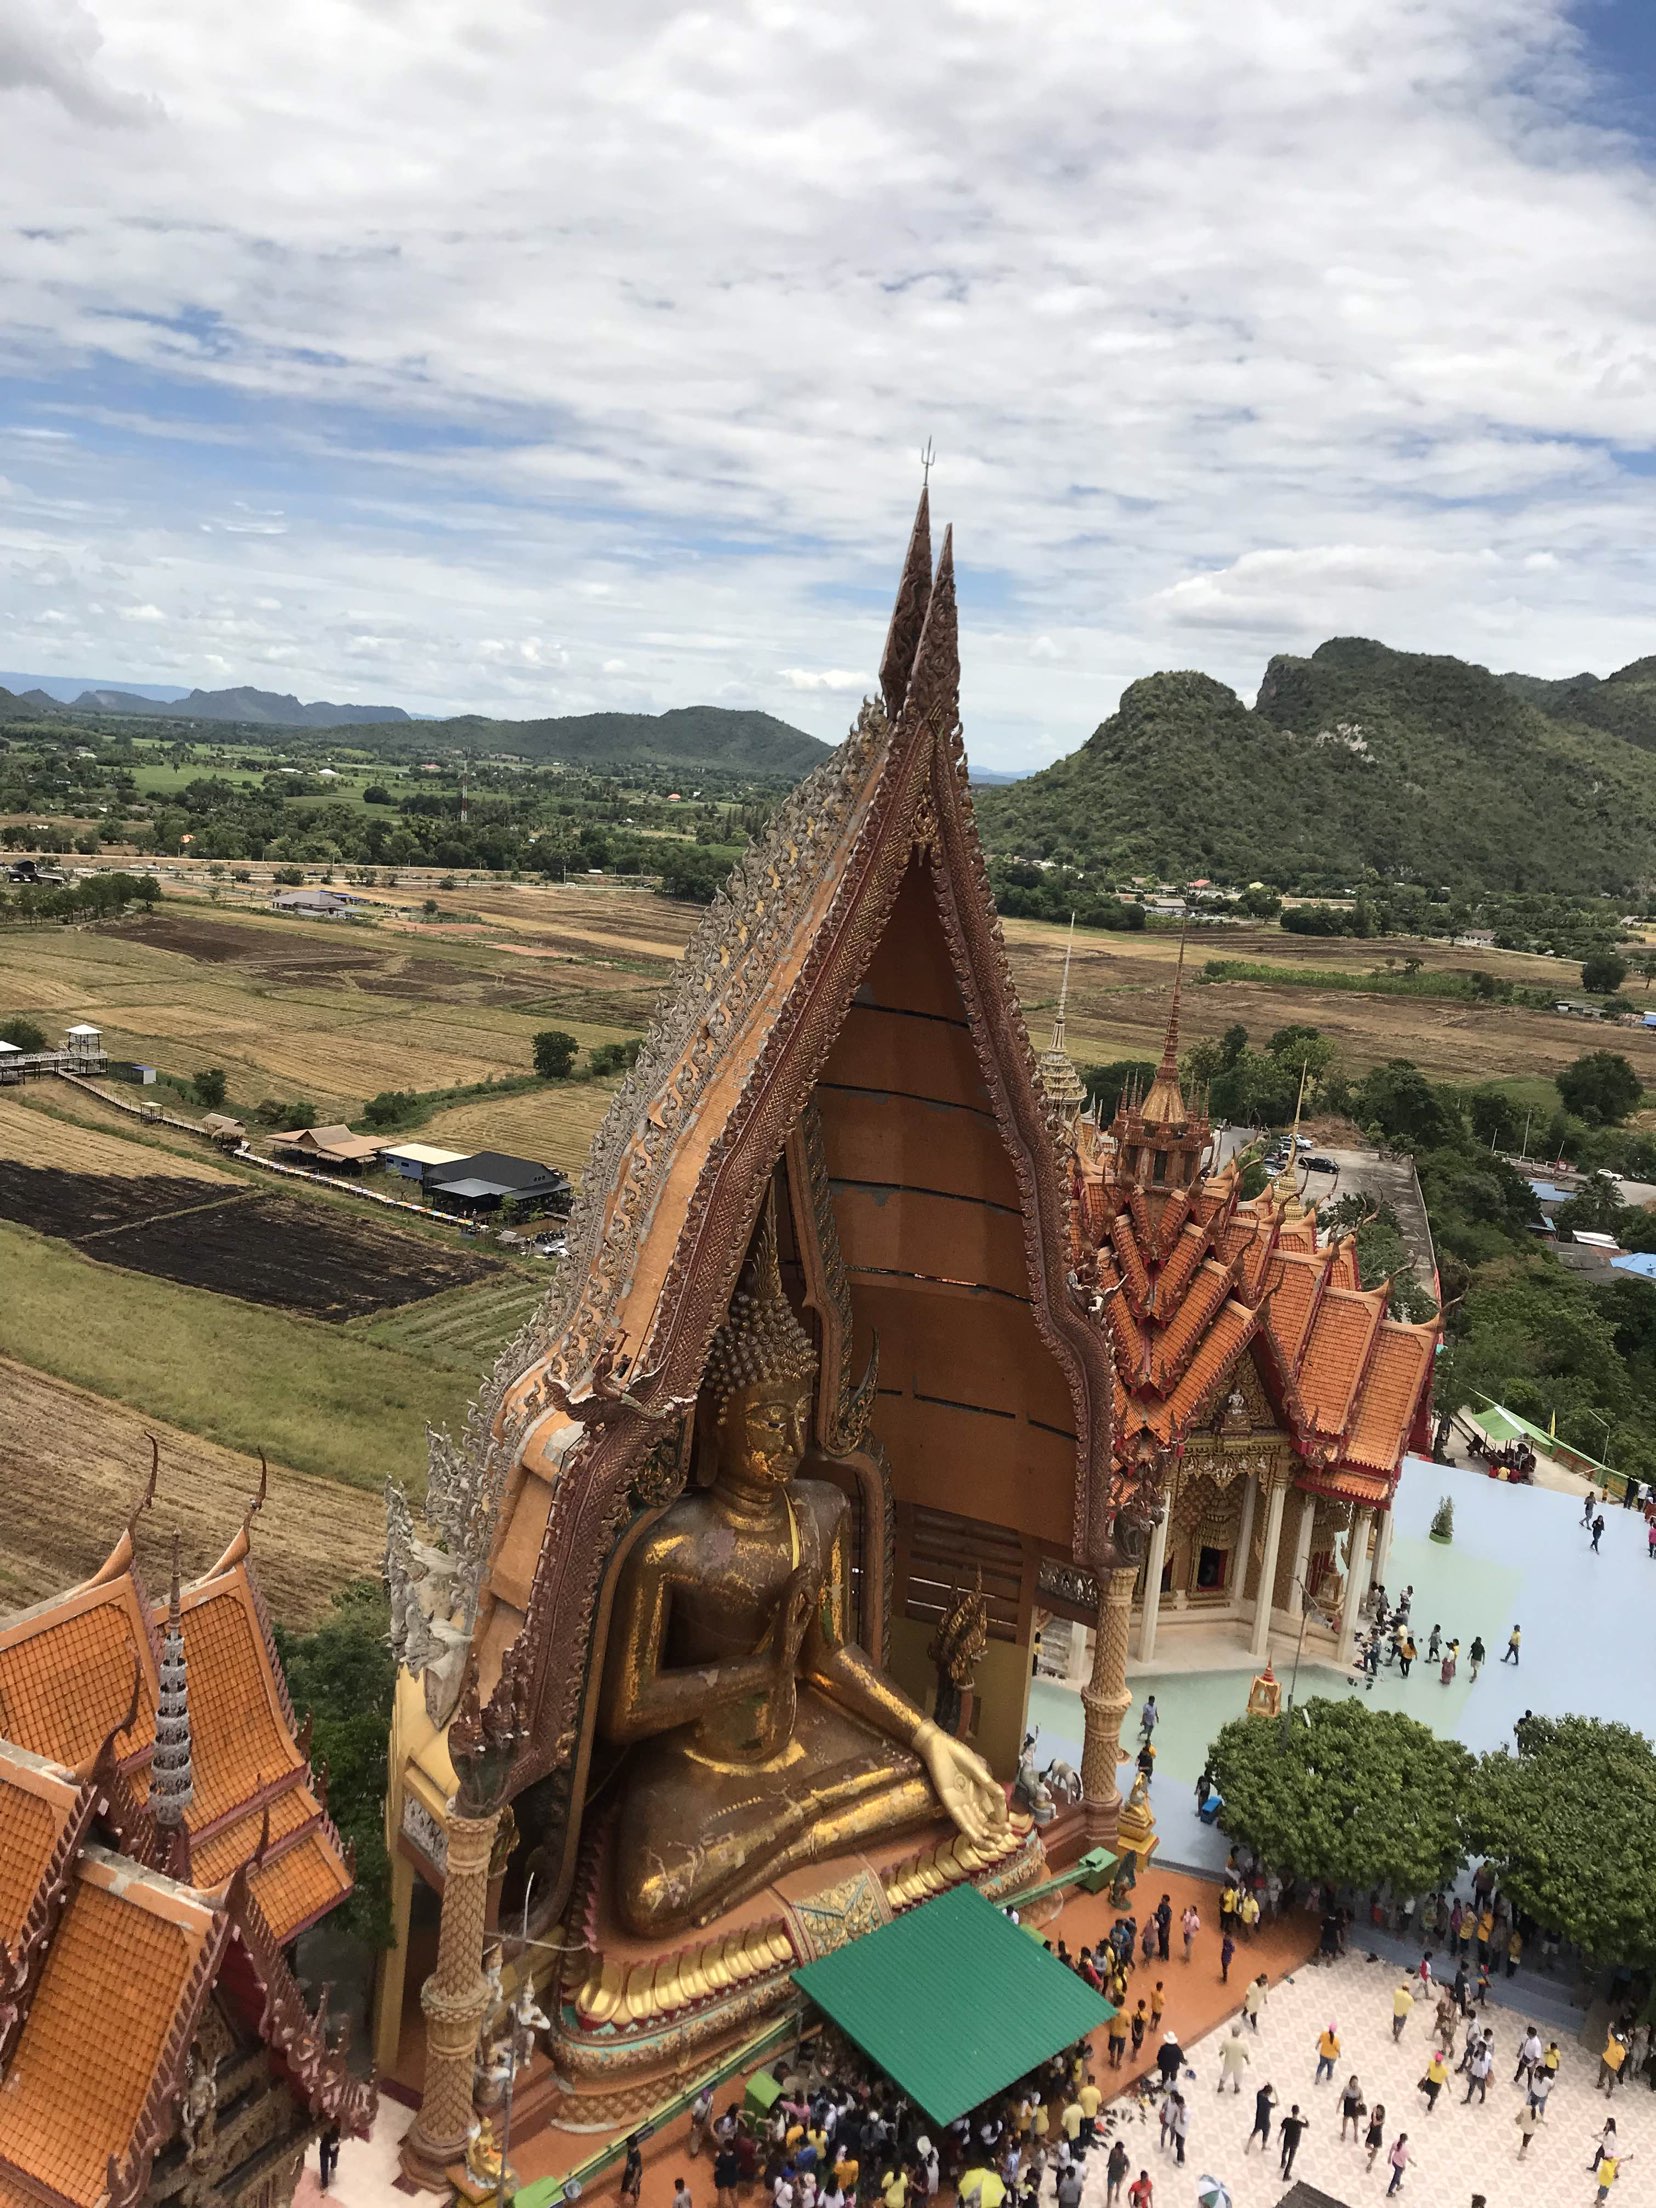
[1319, 1165]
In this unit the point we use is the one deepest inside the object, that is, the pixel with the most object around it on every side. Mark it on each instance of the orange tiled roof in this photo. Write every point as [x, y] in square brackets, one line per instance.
[240, 1733]
[66, 1670]
[1225, 1342]
[119, 1969]
[301, 1884]
[1336, 1355]
[38, 1805]
[1399, 1373]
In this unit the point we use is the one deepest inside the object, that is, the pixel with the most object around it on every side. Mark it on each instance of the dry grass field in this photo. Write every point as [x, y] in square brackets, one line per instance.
[312, 1536]
[1119, 986]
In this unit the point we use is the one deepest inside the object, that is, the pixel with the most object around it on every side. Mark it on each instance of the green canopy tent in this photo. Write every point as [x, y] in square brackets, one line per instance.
[953, 2001]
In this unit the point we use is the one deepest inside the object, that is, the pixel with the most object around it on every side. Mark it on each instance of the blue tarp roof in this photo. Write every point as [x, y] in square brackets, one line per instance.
[1546, 1193]
[1642, 1262]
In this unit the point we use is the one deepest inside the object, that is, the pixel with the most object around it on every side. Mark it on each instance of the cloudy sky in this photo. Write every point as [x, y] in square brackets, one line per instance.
[541, 358]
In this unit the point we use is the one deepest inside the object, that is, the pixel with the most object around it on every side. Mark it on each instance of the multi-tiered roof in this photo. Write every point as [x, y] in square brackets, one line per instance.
[1195, 1276]
[162, 1838]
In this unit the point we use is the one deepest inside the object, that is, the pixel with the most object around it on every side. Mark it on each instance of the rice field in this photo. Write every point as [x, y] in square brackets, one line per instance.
[30, 1136]
[465, 1327]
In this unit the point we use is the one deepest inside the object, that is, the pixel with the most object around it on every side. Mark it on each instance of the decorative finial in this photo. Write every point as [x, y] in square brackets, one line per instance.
[172, 1771]
[1170, 1043]
[1063, 989]
[146, 1494]
[256, 1502]
[926, 459]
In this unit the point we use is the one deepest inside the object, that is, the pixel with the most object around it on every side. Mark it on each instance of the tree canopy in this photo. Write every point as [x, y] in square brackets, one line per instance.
[1603, 972]
[1566, 1822]
[343, 1674]
[1601, 1088]
[1346, 1793]
[555, 1053]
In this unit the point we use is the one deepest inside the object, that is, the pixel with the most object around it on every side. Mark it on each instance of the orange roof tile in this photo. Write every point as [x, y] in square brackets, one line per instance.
[239, 1729]
[1294, 1282]
[1189, 1322]
[1399, 1372]
[1183, 1262]
[38, 1803]
[300, 1885]
[66, 1674]
[1336, 1352]
[1125, 1244]
[117, 1971]
[1225, 1341]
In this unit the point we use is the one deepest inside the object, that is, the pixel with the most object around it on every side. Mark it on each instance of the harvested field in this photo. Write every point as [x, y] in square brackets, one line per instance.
[1119, 988]
[468, 1325]
[261, 1248]
[33, 1137]
[71, 1464]
[554, 1123]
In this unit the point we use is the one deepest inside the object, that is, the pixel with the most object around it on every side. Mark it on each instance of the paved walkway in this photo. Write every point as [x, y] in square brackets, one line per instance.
[1460, 2150]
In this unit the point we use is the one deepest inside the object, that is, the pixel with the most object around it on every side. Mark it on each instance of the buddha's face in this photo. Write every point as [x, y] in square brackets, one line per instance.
[763, 1429]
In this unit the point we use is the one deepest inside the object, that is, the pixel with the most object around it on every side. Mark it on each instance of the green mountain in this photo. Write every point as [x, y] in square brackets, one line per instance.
[689, 736]
[1623, 704]
[1356, 760]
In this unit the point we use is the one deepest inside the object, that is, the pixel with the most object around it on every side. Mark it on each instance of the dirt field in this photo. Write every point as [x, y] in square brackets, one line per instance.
[261, 1248]
[1119, 987]
[312, 1536]
[31, 1136]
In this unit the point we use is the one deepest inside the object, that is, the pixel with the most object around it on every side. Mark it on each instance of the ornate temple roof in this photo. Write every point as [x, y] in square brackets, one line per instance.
[117, 1926]
[69, 1669]
[1195, 1276]
[879, 841]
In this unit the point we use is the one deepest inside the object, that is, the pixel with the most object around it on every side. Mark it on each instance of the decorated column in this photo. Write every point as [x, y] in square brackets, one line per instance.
[1383, 1542]
[1105, 1699]
[458, 1995]
[1154, 1565]
[1356, 1580]
[1260, 1645]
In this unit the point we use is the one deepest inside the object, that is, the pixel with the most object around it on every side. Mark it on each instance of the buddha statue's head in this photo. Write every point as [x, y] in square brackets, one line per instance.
[760, 1371]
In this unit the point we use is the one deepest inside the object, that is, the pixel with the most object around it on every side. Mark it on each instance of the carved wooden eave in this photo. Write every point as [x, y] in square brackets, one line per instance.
[683, 1160]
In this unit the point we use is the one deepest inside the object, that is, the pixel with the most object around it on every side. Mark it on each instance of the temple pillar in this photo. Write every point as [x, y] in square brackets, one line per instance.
[1244, 1540]
[1154, 1565]
[1382, 1545]
[1106, 1698]
[456, 1999]
[1302, 1553]
[1356, 1581]
[1260, 1644]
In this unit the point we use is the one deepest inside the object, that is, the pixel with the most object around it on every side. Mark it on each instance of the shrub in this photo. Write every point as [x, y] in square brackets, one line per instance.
[555, 1052]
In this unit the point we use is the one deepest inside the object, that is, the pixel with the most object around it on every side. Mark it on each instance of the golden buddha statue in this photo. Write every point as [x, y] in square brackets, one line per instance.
[759, 1735]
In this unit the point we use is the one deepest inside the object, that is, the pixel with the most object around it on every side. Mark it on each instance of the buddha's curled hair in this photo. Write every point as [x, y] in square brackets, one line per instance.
[760, 1340]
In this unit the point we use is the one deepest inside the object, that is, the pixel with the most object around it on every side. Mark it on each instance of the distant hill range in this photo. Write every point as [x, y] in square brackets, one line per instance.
[1357, 759]
[688, 736]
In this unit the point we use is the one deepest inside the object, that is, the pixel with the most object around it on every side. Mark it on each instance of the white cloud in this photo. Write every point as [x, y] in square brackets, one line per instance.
[842, 681]
[409, 334]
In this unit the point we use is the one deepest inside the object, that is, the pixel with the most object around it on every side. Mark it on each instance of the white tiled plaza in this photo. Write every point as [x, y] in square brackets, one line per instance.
[1459, 2151]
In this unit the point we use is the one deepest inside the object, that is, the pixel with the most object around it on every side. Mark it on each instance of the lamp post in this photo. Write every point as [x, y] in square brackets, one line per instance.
[1306, 1599]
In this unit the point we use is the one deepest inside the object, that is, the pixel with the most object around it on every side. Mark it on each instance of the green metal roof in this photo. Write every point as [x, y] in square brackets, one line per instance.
[953, 2001]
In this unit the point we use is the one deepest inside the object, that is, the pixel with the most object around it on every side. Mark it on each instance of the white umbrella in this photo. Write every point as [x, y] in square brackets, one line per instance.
[1211, 2194]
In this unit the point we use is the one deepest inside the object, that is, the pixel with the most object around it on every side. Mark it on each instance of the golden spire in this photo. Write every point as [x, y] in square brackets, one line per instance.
[1287, 1181]
[1060, 1082]
[1164, 1103]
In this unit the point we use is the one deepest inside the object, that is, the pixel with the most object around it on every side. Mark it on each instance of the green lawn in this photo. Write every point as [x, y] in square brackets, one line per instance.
[323, 1398]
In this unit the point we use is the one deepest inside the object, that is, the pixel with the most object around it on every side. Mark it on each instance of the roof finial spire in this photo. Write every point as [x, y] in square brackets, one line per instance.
[927, 456]
[1063, 989]
[1164, 1102]
[1170, 1044]
[1287, 1181]
[172, 1771]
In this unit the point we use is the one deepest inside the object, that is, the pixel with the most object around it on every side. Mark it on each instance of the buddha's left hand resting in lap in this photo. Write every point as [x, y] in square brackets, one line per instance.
[759, 1735]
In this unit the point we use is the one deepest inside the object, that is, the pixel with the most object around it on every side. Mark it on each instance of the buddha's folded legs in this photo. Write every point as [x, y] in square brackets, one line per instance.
[696, 1837]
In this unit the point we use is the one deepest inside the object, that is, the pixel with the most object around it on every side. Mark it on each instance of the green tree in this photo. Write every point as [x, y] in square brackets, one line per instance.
[1595, 1208]
[210, 1088]
[1305, 1049]
[607, 1058]
[343, 1674]
[1601, 1088]
[392, 1108]
[555, 1053]
[1495, 1119]
[1105, 1085]
[1565, 1821]
[23, 1032]
[1347, 1793]
[1603, 972]
[1399, 1100]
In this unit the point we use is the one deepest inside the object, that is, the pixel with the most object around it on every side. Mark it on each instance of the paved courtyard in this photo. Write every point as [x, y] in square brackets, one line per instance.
[1459, 2150]
[1519, 1556]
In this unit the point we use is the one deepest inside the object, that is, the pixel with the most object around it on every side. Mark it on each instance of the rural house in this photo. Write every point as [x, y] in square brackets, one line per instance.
[489, 1178]
[335, 1147]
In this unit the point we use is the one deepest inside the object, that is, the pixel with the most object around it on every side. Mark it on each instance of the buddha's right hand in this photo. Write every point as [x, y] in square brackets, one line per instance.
[794, 1608]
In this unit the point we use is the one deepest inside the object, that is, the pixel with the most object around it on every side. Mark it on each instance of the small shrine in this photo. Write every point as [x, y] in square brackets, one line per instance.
[163, 1841]
[1272, 1390]
[717, 1625]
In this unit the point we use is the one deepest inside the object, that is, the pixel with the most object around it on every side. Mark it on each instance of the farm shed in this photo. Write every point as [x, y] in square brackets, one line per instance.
[490, 1178]
[414, 1159]
[332, 1146]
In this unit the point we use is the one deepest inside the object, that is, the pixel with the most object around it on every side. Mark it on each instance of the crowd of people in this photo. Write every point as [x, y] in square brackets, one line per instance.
[1389, 1641]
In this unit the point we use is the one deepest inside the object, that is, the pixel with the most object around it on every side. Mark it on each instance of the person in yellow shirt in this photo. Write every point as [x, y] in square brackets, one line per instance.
[1608, 2167]
[1610, 2063]
[846, 2172]
[1328, 2054]
[1040, 2123]
[894, 2188]
[1090, 2097]
[1248, 1910]
[1436, 2078]
[1158, 2002]
[1072, 2119]
[1402, 2004]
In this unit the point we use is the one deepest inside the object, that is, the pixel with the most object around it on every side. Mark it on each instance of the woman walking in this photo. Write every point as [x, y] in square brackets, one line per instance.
[1375, 2137]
